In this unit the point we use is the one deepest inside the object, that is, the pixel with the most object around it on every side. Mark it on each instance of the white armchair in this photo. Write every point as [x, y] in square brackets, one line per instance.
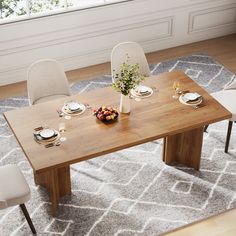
[46, 80]
[14, 190]
[136, 55]
[227, 97]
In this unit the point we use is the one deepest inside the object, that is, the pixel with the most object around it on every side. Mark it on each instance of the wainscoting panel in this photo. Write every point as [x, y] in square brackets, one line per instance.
[83, 38]
[212, 18]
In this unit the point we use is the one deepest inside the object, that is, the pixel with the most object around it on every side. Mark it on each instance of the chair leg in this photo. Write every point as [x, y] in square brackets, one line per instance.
[205, 128]
[23, 208]
[228, 136]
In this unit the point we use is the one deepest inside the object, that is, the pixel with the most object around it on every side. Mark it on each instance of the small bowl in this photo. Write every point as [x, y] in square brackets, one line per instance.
[106, 114]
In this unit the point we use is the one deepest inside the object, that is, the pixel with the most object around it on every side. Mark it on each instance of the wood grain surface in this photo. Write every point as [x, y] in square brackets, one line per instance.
[156, 117]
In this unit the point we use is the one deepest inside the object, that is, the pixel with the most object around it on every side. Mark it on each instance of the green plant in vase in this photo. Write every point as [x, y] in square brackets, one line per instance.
[128, 78]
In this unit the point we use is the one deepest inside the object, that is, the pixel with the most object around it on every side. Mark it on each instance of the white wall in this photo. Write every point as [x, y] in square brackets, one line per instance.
[83, 38]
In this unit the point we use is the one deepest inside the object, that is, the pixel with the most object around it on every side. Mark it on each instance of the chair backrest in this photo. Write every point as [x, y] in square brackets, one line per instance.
[46, 78]
[135, 55]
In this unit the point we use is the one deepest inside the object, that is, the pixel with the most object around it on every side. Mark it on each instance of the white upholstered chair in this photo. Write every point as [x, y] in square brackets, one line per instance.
[14, 190]
[46, 80]
[227, 97]
[135, 55]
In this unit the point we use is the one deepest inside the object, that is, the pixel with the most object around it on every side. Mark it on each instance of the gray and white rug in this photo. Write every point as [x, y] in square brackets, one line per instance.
[131, 192]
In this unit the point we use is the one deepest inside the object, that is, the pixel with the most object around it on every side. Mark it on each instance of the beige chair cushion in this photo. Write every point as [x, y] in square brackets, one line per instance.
[14, 189]
[48, 98]
[228, 99]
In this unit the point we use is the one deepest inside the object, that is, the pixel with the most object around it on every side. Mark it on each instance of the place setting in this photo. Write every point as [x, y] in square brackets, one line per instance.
[47, 136]
[50, 137]
[191, 99]
[72, 108]
[186, 97]
[141, 92]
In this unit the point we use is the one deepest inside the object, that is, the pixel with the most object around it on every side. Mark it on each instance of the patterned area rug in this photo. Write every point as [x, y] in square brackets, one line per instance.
[131, 192]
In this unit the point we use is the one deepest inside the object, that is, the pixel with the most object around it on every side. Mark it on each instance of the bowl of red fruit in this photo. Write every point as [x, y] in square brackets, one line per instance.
[106, 114]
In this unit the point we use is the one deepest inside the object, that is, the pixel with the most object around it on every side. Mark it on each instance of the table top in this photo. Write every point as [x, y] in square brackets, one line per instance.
[152, 118]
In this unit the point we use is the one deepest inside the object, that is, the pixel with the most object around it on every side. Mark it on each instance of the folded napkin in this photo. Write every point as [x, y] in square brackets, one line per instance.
[69, 111]
[142, 94]
[145, 92]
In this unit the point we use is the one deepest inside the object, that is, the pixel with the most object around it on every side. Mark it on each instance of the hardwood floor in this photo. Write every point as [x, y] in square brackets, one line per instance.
[219, 225]
[223, 49]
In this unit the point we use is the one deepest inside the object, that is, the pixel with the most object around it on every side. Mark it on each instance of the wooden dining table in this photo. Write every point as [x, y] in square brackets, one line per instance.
[156, 117]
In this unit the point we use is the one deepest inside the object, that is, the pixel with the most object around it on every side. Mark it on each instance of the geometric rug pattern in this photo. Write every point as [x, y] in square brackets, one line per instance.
[131, 192]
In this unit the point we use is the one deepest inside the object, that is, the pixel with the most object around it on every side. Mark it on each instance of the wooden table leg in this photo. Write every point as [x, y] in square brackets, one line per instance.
[57, 182]
[54, 191]
[184, 148]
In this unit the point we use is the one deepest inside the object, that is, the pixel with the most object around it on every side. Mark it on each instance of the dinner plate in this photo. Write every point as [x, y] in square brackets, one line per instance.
[73, 108]
[141, 92]
[195, 102]
[47, 133]
[41, 140]
[191, 96]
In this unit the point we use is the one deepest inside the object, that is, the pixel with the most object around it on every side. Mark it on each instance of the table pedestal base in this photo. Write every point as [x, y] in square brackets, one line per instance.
[57, 182]
[184, 148]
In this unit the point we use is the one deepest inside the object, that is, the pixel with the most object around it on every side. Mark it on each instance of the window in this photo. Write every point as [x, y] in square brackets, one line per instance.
[15, 10]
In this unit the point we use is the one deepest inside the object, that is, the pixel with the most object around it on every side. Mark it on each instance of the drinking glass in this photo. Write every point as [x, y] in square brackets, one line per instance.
[62, 127]
[67, 116]
[176, 87]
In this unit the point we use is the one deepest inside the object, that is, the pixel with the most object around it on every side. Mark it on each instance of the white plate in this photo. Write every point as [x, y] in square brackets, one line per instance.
[191, 96]
[44, 141]
[198, 101]
[73, 106]
[66, 110]
[47, 133]
[141, 89]
[142, 92]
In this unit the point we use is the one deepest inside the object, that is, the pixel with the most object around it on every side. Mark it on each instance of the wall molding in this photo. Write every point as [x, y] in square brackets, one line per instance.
[194, 15]
[167, 20]
[92, 34]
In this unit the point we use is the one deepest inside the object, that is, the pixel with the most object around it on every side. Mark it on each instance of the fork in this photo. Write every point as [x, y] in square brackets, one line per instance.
[38, 128]
[87, 106]
[52, 144]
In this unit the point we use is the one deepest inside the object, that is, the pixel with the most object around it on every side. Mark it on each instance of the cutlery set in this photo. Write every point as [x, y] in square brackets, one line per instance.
[52, 144]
